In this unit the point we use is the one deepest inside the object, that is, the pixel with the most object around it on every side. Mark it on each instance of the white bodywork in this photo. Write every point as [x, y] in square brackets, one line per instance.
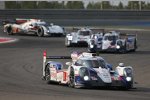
[81, 36]
[52, 29]
[31, 26]
[83, 72]
[113, 41]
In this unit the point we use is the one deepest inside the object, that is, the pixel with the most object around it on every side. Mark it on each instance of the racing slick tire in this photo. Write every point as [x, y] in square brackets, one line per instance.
[123, 49]
[135, 46]
[92, 50]
[71, 82]
[40, 32]
[125, 87]
[67, 43]
[47, 74]
[9, 30]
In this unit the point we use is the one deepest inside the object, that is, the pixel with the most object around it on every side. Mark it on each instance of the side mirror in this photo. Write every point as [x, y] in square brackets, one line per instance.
[68, 63]
[110, 66]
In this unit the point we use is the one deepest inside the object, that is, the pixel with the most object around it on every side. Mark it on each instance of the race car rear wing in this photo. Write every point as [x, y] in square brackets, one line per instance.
[126, 35]
[95, 30]
[45, 57]
[4, 22]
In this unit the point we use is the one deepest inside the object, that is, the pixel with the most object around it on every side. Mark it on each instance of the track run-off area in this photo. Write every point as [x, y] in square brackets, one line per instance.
[21, 70]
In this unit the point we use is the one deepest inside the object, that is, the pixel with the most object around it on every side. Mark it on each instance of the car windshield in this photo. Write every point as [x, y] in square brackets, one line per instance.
[94, 63]
[84, 33]
[45, 24]
[111, 38]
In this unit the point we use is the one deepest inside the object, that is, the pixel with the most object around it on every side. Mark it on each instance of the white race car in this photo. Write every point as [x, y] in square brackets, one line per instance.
[86, 70]
[81, 36]
[30, 26]
[113, 42]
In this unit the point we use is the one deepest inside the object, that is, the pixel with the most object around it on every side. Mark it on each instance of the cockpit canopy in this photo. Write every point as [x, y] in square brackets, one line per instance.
[84, 33]
[92, 63]
[111, 37]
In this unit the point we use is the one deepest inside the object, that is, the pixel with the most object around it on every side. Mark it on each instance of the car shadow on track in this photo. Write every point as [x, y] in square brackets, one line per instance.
[141, 52]
[134, 89]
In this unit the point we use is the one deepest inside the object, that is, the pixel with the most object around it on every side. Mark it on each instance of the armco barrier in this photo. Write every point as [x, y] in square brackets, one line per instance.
[75, 14]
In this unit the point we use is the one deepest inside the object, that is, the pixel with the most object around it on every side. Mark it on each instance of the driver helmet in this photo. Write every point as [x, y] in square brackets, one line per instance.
[121, 64]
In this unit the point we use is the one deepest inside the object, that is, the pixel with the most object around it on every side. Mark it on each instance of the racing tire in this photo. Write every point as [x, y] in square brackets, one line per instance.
[40, 32]
[71, 78]
[9, 30]
[125, 88]
[135, 46]
[47, 74]
[123, 50]
[92, 50]
[67, 43]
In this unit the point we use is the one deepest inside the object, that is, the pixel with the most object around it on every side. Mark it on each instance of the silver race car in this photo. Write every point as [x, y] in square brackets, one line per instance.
[81, 36]
[32, 26]
[86, 70]
[113, 42]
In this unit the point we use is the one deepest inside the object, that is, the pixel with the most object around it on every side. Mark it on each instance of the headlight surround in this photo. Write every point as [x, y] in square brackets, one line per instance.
[118, 47]
[91, 46]
[86, 78]
[128, 72]
[84, 73]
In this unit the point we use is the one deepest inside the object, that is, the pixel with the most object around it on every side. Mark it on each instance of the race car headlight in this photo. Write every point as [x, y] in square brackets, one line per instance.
[118, 47]
[70, 37]
[91, 46]
[128, 78]
[86, 78]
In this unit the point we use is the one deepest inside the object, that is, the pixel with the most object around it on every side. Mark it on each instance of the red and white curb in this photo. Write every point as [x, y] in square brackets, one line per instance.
[7, 40]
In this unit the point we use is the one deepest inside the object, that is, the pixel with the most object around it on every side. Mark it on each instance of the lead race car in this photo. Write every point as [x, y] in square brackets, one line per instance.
[32, 26]
[86, 70]
[113, 42]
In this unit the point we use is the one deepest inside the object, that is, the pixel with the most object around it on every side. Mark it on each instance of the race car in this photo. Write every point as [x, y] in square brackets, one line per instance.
[32, 26]
[113, 42]
[86, 70]
[81, 36]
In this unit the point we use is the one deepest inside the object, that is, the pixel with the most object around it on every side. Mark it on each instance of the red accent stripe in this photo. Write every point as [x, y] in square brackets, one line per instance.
[5, 39]
[44, 53]
[64, 76]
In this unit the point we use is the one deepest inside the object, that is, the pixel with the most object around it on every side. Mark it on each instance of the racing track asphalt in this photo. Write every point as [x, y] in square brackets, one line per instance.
[21, 70]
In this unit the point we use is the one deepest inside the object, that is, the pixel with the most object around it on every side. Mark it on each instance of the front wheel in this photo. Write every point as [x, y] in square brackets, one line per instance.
[67, 42]
[40, 32]
[123, 49]
[9, 30]
[47, 74]
[135, 46]
[71, 78]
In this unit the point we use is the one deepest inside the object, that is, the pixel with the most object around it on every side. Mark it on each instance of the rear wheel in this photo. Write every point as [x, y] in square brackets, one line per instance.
[40, 32]
[67, 42]
[9, 30]
[123, 49]
[71, 78]
[135, 46]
